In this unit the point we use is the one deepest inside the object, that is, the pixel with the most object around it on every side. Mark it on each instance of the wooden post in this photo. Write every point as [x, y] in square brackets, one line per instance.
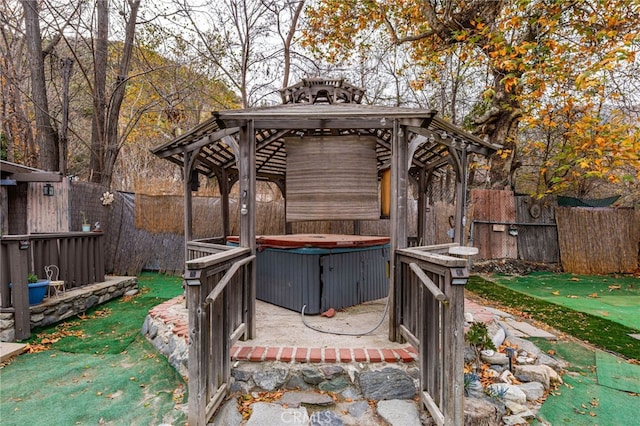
[196, 361]
[460, 166]
[454, 350]
[188, 202]
[18, 265]
[225, 186]
[399, 178]
[422, 207]
[247, 172]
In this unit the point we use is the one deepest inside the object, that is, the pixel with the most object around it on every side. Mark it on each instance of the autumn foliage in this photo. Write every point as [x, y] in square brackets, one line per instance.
[556, 82]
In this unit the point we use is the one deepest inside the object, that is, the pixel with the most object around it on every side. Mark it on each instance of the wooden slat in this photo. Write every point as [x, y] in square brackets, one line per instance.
[321, 183]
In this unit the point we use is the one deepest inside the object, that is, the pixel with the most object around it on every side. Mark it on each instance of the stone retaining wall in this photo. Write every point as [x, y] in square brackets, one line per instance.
[73, 302]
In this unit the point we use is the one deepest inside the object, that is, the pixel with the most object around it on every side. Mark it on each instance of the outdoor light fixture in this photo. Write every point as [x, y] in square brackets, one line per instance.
[243, 208]
[513, 230]
[47, 190]
[24, 244]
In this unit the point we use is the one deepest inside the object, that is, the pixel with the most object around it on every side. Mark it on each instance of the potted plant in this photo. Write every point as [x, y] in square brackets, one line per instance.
[86, 226]
[37, 289]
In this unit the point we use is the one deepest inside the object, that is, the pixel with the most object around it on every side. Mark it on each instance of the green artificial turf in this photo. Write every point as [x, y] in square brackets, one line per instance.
[601, 332]
[589, 396]
[613, 297]
[111, 327]
[98, 370]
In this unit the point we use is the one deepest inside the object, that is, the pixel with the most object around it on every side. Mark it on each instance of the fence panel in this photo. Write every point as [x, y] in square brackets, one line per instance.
[537, 232]
[598, 240]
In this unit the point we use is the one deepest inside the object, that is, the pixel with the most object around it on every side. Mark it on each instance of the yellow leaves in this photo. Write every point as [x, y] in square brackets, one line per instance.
[556, 293]
[593, 295]
[504, 153]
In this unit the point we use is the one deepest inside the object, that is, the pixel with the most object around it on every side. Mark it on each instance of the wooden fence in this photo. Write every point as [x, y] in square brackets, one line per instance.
[78, 255]
[598, 240]
[429, 306]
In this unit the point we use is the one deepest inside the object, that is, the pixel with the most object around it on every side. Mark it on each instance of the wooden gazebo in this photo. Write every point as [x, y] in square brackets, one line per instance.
[322, 133]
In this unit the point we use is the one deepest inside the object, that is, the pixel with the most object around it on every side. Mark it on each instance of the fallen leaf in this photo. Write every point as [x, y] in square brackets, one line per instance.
[574, 279]
[594, 295]
[614, 287]
[592, 414]
[556, 293]
[571, 296]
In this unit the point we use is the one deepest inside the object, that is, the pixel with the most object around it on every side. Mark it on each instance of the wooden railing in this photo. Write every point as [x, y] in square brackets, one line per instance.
[78, 255]
[429, 303]
[217, 288]
[204, 247]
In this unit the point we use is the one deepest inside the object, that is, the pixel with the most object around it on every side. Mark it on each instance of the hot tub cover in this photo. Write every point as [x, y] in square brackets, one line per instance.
[328, 241]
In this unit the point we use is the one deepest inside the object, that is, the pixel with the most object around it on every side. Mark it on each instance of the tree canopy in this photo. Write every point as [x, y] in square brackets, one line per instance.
[555, 82]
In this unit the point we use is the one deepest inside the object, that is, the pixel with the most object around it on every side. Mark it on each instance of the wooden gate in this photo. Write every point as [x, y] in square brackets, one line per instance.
[429, 304]
[217, 287]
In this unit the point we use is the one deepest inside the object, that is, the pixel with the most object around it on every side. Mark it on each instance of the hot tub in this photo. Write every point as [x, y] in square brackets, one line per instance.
[320, 271]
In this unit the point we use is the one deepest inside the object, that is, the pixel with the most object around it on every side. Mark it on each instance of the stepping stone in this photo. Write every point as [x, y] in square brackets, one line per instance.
[530, 330]
[7, 350]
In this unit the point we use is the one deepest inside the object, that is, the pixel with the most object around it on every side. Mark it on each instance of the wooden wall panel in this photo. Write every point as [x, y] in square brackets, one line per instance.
[46, 213]
[492, 239]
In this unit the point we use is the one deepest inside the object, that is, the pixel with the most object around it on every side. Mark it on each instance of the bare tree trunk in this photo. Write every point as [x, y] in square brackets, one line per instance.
[67, 65]
[101, 45]
[288, 40]
[113, 109]
[45, 132]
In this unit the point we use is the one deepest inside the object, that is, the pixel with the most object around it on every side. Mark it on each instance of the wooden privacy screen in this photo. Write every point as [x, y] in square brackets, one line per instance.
[332, 178]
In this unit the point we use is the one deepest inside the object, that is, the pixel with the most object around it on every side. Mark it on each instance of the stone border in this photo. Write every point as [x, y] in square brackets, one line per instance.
[72, 302]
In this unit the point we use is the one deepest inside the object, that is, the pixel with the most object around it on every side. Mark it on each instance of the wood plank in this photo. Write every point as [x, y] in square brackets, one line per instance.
[18, 266]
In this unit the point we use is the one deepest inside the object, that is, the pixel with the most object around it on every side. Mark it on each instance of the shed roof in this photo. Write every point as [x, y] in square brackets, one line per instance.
[13, 172]
[215, 141]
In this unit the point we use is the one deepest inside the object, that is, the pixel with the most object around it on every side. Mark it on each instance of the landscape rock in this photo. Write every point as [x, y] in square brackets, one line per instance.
[267, 413]
[507, 392]
[533, 390]
[524, 345]
[228, 415]
[537, 373]
[388, 383]
[336, 384]
[519, 409]
[497, 358]
[325, 418]
[514, 420]
[311, 375]
[270, 379]
[295, 399]
[358, 408]
[480, 412]
[552, 362]
[331, 371]
[398, 412]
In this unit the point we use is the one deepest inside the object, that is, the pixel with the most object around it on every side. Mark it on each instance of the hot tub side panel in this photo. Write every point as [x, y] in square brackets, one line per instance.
[289, 279]
[354, 277]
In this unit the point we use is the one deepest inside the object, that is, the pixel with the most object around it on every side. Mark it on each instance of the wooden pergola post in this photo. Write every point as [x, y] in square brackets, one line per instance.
[399, 182]
[247, 201]
[460, 166]
[189, 159]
